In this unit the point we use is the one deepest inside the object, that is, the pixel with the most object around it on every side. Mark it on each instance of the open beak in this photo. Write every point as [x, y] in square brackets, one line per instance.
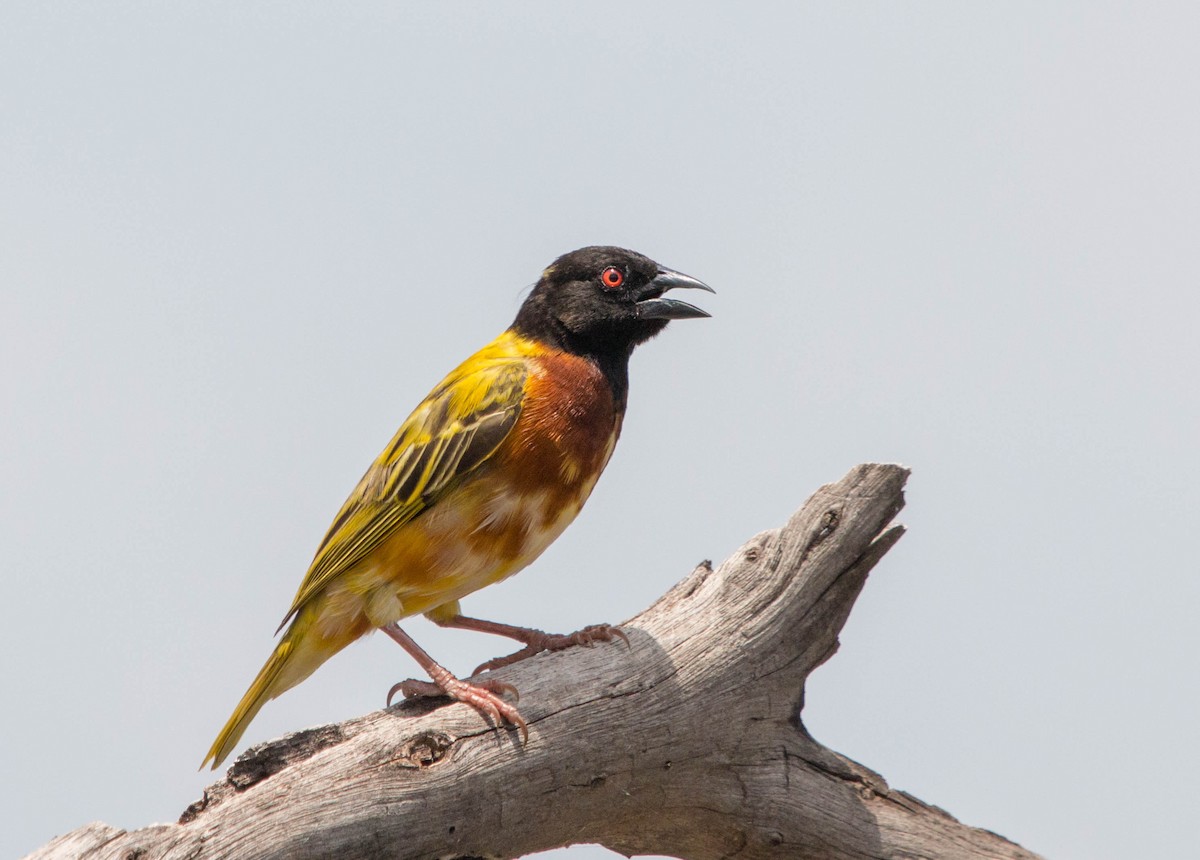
[658, 308]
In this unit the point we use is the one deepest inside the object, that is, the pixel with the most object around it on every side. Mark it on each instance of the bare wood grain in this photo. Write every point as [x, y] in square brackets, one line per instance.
[689, 744]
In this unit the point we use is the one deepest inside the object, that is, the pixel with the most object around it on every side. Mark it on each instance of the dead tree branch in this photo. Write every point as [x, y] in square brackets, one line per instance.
[689, 744]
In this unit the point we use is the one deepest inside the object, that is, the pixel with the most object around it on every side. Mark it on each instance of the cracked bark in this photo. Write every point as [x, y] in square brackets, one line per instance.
[689, 744]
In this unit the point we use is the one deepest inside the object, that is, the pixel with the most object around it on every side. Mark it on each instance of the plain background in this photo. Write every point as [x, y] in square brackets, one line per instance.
[240, 242]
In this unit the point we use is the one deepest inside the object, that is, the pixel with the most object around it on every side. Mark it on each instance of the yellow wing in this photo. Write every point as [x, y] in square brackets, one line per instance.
[455, 429]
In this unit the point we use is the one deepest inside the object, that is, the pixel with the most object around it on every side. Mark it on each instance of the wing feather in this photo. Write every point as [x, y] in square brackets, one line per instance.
[454, 431]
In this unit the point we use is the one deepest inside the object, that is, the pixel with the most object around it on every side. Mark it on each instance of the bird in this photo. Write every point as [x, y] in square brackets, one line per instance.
[479, 480]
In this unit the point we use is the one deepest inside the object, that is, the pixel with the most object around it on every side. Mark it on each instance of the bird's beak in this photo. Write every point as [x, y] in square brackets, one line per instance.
[657, 308]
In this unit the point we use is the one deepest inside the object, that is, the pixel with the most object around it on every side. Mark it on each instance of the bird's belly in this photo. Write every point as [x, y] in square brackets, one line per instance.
[496, 531]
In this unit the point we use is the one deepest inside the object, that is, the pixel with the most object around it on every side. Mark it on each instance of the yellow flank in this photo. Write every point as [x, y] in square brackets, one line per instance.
[476, 483]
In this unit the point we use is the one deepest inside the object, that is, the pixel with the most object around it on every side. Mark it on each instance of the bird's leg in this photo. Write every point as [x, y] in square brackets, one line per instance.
[483, 696]
[535, 640]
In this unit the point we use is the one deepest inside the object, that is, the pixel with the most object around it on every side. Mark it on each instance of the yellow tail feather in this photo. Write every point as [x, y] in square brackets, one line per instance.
[295, 658]
[262, 690]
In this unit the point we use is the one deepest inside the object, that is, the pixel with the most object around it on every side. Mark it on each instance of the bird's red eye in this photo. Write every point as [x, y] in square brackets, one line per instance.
[612, 277]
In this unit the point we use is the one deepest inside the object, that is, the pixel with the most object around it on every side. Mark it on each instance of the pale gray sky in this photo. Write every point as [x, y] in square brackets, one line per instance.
[239, 243]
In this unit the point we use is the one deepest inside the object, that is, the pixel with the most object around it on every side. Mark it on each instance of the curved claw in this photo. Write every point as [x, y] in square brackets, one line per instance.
[414, 689]
[396, 688]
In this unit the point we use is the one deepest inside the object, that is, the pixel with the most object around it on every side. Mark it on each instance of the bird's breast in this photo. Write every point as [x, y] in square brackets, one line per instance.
[541, 475]
[568, 426]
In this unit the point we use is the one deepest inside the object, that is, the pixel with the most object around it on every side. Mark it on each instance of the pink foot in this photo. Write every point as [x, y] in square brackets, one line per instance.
[484, 696]
[537, 642]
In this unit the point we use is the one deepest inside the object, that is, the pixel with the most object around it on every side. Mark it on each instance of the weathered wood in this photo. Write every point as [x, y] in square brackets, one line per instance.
[688, 744]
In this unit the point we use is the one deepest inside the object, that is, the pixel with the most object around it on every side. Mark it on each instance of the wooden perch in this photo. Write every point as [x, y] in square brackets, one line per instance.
[688, 744]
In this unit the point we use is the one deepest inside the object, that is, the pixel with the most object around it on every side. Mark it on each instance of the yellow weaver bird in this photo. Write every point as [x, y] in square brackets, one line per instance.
[481, 478]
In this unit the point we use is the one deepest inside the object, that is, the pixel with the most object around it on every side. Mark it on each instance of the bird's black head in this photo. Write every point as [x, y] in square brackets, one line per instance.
[602, 301]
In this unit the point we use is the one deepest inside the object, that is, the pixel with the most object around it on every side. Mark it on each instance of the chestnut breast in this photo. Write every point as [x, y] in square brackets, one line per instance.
[567, 429]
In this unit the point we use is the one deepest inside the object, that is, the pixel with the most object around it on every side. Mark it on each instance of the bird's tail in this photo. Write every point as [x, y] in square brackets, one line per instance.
[295, 658]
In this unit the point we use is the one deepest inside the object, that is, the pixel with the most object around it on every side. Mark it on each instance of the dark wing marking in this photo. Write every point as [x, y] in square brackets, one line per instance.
[457, 427]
